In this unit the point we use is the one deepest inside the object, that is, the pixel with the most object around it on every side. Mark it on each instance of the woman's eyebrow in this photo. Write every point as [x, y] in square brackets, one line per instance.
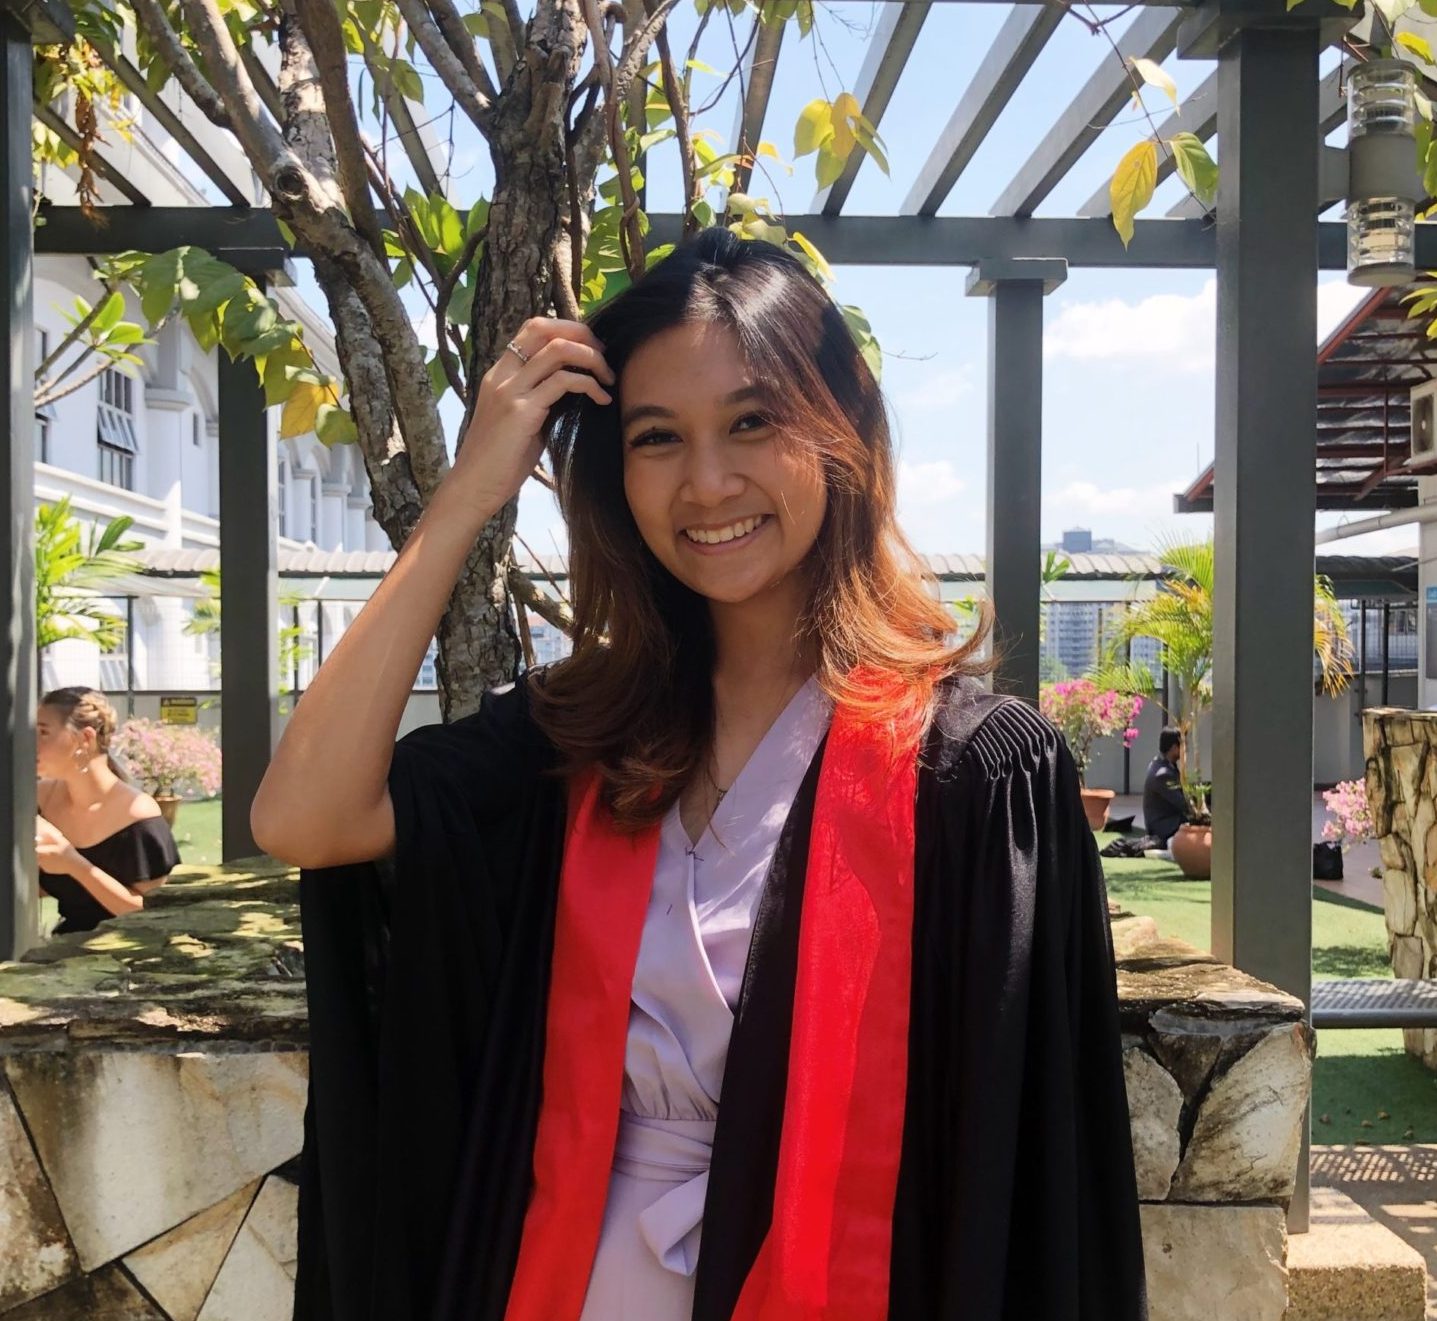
[640, 411]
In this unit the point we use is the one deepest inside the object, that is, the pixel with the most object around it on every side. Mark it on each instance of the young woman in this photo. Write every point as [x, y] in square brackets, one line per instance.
[752, 963]
[102, 843]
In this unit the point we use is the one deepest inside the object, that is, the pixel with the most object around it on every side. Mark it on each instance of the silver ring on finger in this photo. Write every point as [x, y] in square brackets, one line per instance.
[517, 351]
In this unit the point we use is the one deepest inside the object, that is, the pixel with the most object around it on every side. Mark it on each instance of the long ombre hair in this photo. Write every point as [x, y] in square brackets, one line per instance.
[635, 698]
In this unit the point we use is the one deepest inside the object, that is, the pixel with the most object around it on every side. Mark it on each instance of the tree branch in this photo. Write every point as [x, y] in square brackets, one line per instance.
[522, 589]
[452, 28]
[631, 238]
[167, 42]
[679, 108]
[46, 392]
[446, 64]
[320, 22]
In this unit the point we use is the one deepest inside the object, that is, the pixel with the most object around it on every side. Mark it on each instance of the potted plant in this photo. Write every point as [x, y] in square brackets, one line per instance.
[1084, 713]
[1350, 814]
[1179, 618]
[168, 760]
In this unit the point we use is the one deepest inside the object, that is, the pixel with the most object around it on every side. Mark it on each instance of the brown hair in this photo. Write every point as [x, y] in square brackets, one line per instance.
[87, 708]
[635, 699]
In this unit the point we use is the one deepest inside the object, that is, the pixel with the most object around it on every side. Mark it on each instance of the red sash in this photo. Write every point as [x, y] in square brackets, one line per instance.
[826, 1256]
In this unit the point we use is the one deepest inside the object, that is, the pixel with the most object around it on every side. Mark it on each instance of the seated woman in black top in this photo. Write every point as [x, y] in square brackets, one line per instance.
[101, 841]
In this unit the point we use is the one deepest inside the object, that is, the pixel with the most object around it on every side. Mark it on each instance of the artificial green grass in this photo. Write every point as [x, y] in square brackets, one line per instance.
[1359, 1074]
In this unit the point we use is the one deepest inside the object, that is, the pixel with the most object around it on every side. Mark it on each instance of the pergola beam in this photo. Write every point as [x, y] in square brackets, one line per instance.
[1152, 35]
[888, 51]
[1023, 35]
[102, 167]
[843, 240]
[762, 64]
[153, 102]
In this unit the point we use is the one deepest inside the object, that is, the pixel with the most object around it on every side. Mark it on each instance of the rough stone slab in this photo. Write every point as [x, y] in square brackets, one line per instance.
[35, 1251]
[178, 1269]
[1214, 1263]
[1348, 1267]
[107, 1295]
[1248, 1131]
[1172, 976]
[1131, 934]
[135, 1143]
[256, 1283]
[1155, 1104]
[226, 967]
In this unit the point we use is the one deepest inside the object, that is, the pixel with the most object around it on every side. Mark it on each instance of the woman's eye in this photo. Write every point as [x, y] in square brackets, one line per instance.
[650, 438]
[751, 422]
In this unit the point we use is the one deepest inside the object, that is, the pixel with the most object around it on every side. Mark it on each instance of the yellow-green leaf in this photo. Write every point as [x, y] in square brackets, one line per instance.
[1132, 186]
[1411, 41]
[1154, 75]
[301, 409]
[814, 255]
[845, 111]
[1194, 166]
[830, 166]
[814, 127]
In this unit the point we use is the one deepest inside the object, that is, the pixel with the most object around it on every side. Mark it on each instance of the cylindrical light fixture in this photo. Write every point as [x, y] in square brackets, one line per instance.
[1383, 184]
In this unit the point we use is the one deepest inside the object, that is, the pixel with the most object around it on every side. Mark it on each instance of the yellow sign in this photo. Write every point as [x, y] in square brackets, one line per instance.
[179, 710]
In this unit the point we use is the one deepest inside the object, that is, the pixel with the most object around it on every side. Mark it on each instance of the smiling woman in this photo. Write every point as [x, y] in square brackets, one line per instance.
[762, 837]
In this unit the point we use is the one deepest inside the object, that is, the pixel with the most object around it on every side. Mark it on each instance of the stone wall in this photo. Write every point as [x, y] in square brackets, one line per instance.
[152, 1084]
[1402, 791]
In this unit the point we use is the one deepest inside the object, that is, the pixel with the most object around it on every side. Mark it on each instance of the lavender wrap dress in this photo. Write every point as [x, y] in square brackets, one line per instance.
[686, 987]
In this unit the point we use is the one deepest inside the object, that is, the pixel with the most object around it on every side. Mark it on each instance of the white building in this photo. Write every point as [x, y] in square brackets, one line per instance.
[144, 441]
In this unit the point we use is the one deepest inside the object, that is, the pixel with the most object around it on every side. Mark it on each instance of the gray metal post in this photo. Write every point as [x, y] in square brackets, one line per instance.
[1015, 290]
[249, 577]
[19, 907]
[1264, 497]
[1386, 652]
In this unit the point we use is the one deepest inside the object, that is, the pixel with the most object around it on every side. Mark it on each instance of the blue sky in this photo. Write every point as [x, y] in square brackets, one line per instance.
[1128, 374]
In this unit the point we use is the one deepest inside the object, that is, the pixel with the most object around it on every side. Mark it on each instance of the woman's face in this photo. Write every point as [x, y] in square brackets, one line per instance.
[724, 501]
[55, 744]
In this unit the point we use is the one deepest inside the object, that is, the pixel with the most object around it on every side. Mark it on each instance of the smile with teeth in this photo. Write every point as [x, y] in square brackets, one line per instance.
[733, 532]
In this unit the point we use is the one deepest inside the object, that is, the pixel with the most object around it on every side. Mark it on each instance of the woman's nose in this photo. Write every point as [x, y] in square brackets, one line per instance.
[710, 477]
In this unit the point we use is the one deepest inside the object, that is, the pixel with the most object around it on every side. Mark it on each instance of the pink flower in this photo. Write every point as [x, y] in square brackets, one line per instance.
[168, 759]
[1352, 814]
[1083, 712]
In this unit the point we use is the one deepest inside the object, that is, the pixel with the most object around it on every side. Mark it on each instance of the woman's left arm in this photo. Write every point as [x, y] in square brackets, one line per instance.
[57, 854]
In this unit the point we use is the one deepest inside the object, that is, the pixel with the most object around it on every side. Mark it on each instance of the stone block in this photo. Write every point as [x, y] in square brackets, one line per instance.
[1248, 1132]
[135, 1143]
[1155, 1104]
[1214, 1263]
[1348, 1267]
[35, 1251]
[107, 1295]
[178, 1269]
[256, 1282]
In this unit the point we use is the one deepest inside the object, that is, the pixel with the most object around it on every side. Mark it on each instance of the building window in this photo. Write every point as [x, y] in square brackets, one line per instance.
[314, 509]
[195, 429]
[281, 489]
[116, 429]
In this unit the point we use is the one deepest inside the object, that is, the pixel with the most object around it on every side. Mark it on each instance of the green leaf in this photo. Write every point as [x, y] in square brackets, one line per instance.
[1392, 10]
[815, 257]
[870, 142]
[158, 280]
[477, 25]
[109, 313]
[438, 381]
[300, 413]
[216, 292]
[407, 81]
[1428, 7]
[244, 319]
[477, 219]
[814, 127]
[846, 113]
[334, 426]
[1154, 75]
[1196, 168]
[1132, 186]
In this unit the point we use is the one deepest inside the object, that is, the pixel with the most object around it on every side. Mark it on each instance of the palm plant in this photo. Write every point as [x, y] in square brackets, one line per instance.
[1179, 618]
[293, 647]
[72, 569]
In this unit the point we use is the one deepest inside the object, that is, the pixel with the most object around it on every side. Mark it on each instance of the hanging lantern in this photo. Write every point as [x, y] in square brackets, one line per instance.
[1383, 186]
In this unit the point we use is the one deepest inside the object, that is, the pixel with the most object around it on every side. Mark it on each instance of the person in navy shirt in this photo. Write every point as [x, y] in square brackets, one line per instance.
[1165, 805]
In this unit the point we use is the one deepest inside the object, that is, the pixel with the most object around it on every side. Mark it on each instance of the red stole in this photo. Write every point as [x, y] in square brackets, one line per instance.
[826, 1256]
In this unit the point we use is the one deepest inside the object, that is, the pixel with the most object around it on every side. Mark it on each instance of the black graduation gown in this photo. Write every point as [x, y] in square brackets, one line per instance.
[427, 977]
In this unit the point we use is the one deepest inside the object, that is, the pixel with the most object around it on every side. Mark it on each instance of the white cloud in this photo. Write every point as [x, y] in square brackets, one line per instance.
[1176, 327]
[1086, 500]
[928, 483]
[939, 390]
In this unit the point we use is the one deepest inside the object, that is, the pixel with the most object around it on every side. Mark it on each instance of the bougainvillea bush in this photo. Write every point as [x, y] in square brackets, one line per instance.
[1084, 713]
[1349, 812]
[169, 759]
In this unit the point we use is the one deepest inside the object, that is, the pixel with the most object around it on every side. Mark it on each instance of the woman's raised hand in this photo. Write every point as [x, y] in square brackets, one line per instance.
[505, 436]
